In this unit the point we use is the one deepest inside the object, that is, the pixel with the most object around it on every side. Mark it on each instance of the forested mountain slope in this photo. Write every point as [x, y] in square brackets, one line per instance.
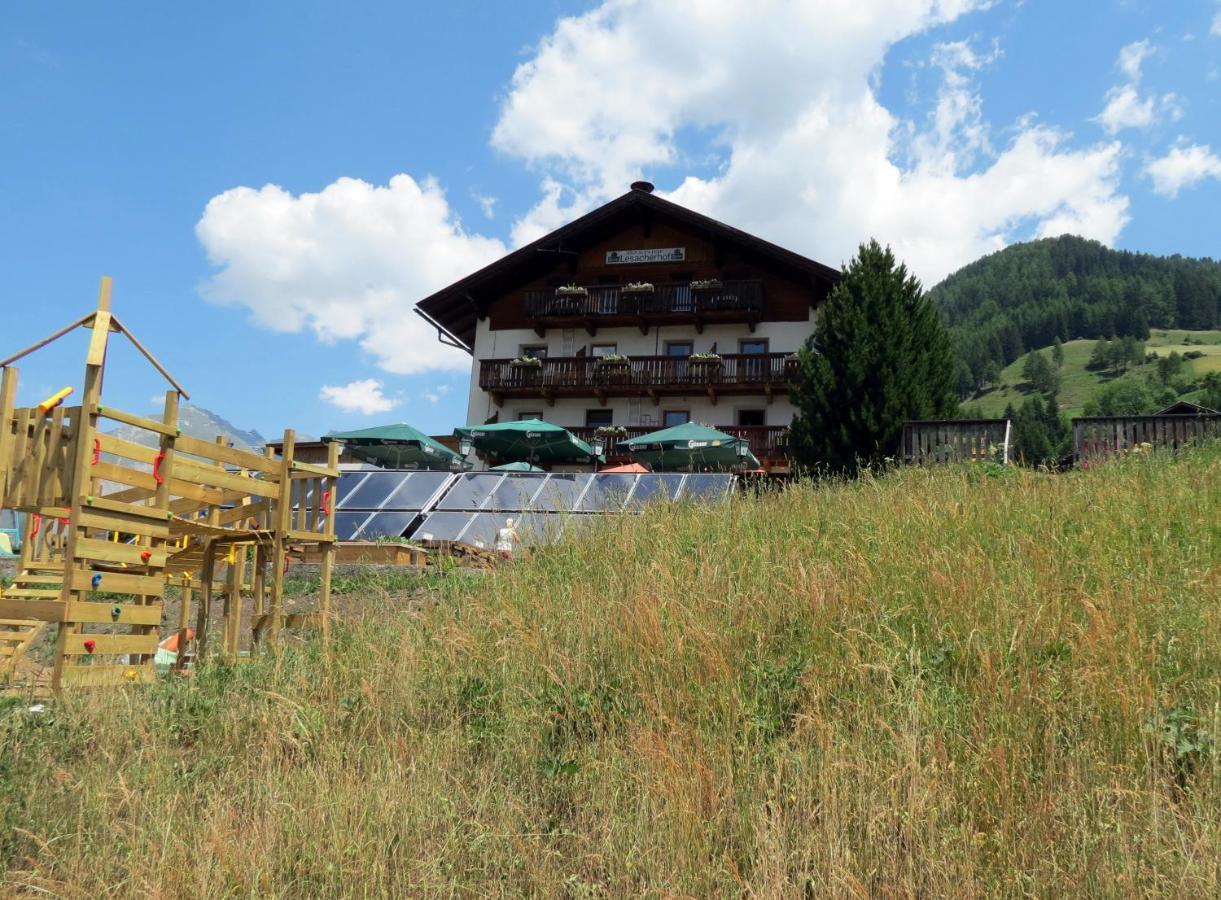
[1028, 295]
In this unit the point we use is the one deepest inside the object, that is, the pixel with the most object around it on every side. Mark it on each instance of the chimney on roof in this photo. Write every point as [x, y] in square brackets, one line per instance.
[646, 186]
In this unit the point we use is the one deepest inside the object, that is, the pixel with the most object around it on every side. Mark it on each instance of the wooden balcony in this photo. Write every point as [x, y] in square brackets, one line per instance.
[769, 443]
[640, 376]
[667, 304]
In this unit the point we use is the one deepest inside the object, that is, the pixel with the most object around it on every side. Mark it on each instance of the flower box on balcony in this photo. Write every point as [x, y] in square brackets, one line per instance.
[638, 287]
[613, 369]
[571, 290]
[527, 362]
[610, 432]
[706, 284]
[704, 366]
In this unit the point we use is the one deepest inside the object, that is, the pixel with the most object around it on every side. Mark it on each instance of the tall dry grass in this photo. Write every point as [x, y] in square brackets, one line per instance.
[935, 683]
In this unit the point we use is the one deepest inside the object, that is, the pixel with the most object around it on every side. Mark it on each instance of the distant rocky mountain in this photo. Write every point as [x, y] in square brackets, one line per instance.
[197, 422]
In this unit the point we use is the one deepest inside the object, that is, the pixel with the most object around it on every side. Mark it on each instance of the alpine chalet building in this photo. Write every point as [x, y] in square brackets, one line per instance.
[637, 316]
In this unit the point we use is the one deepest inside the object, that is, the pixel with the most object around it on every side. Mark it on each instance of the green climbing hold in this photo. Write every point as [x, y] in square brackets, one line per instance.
[116, 611]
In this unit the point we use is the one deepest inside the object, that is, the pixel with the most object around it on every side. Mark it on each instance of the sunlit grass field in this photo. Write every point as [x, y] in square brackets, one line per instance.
[1078, 384]
[959, 682]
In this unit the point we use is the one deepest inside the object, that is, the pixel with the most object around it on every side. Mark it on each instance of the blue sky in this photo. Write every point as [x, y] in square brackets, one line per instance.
[410, 143]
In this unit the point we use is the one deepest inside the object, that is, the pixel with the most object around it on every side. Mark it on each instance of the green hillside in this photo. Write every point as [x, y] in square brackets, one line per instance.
[1078, 384]
[1029, 294]
[957, 682]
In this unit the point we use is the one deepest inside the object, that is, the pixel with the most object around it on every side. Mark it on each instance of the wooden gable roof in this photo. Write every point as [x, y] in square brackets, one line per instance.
[1185, 408]
[454, 310]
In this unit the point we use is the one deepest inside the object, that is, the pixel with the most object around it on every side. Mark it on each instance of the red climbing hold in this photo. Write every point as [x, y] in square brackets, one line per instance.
[157, 476]
[97, 450]
[146, 555]
[35, 524]
[326, 503]
[90, 645]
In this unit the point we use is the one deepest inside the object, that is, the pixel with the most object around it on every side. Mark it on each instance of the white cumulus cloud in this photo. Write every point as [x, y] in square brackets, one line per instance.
[809, 156]
[1183, 167]
[1126, 106]
[347, 263]
[364, 396]
[436, 394]
[781, 96]
[1216, 28]
[1132, 57]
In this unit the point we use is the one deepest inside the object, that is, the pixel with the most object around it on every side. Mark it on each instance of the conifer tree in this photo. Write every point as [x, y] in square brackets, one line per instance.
[880, 356]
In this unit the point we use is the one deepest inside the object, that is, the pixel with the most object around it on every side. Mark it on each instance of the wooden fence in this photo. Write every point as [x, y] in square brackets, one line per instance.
[1097, 437]
[956, 440]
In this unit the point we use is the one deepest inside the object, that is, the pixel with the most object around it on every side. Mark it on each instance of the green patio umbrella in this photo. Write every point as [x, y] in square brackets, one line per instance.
[517, 467]
[397, 447]
[690, 446]
[529, 441]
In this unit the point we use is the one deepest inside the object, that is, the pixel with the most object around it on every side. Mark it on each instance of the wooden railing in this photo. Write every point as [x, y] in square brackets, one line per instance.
[664, 299]
[1097, 437]
[766, 441]
[589, 375]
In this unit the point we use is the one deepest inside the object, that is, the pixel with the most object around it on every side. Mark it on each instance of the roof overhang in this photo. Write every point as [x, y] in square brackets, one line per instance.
[455, 310]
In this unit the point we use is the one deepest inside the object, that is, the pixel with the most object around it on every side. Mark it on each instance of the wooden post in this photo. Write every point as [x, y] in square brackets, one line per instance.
[206, 574]
[258, 585]
[329, 485]
[8, 394]
[282, 518]
[233, 598]
[264, 521]
[81, 481]
[184, 621]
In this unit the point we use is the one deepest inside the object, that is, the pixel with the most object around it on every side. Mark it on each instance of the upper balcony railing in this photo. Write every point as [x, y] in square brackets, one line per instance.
[729, 301]
[592, 376]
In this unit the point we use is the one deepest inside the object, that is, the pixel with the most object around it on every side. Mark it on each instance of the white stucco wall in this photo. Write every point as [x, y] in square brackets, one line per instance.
[782, 337]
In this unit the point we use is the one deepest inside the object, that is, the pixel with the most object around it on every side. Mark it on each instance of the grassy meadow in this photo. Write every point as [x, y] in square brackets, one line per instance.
[958, 682]
[1078, 384]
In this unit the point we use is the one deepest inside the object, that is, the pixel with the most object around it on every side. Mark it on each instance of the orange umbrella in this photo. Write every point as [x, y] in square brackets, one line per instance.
[627, 468]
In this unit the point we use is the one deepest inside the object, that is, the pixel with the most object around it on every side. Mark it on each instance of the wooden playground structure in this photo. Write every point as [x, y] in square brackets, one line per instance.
[110, 523]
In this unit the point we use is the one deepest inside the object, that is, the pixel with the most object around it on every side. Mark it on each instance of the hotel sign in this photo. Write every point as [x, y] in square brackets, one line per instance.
[654, 255]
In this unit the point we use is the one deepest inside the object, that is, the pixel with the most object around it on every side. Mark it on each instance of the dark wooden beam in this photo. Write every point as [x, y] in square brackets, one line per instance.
[480, 312]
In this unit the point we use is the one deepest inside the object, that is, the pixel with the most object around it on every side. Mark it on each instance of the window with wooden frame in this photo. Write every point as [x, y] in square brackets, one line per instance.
[752, 418]
[672, 417]
[599, 418]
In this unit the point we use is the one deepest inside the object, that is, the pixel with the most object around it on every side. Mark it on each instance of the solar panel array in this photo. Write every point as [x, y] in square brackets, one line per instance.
[471, 506]
[384, 504]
